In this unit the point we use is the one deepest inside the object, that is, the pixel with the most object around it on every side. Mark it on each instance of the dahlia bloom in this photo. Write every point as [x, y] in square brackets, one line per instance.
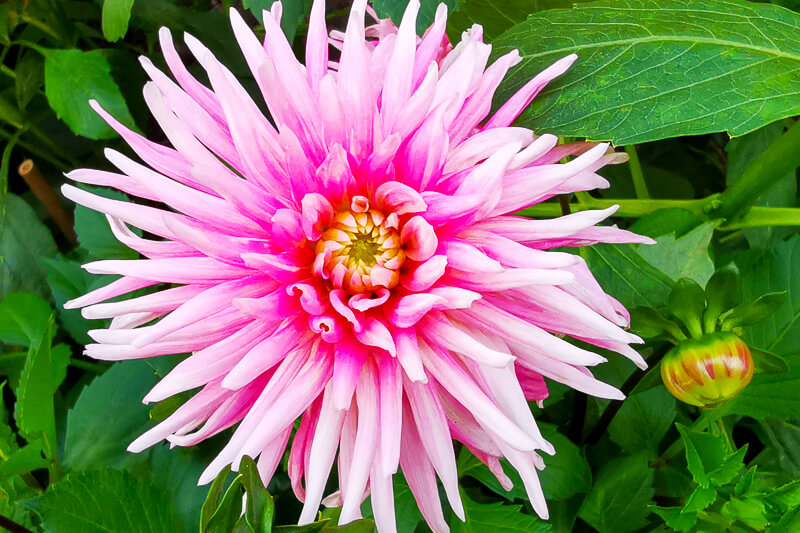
[354, 261]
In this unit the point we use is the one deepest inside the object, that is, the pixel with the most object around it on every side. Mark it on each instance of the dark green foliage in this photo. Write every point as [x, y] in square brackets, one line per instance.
[648, 71]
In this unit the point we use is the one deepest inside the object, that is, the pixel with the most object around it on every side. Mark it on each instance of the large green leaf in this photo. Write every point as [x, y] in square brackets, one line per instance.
[394, 9]
[496, 16]
[107, 416]
[618, 500]
[23, 240]
[623, 272]
[72, 78]
[104, 501]
[683, 257]
[652, 69]
[23, 318]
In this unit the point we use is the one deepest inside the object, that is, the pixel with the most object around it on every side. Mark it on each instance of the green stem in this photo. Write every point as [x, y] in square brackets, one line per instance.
[759, 217]
[61, 165]
[772, 165]
[633, 208]
[41, 25]
[97, 368]
[639, 185]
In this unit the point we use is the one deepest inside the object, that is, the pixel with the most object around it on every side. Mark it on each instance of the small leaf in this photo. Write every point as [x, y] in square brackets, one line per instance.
[227, 513]
[746, 481]
[752, 313]
[749, 511]
[687, 302]
[30, 77]
[768, 363]
[260, 508]
[213, 498]
[24, 460]
[116, 14]
[700, 499]
[676, 519]
[723, 292]
[648, 323]
[705, 453]
[72, 78]
[34, 411]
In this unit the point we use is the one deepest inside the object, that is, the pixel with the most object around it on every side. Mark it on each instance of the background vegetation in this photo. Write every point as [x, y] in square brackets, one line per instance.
[700, 93]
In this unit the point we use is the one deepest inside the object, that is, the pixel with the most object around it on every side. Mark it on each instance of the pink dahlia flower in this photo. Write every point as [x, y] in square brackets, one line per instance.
[354, 261]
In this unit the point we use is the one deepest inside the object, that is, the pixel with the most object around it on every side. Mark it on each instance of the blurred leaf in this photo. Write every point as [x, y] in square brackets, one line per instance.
[294, 12]
[23, 318]
[782, 440]
[23, 240]
[60, 27]
[394, 9]
[643, 420]
[8, 441]
[768, 396]
[618, 501]
[496, 518]
[671, 221]
[94, 232]
[767, 363]
[741, 152]
[751, 313]
[622, 271]
[642, 74]
[30, 77]
[116, 14]
[108, 416]
[103, 501]
[723, 292]
[687, 302]
[4, 25]
[68, 280]
[9, 113]
[683, 257]
[34, 411]
[72, 78]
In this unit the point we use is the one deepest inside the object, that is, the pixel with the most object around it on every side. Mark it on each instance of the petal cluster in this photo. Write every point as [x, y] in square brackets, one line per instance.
[353, 260]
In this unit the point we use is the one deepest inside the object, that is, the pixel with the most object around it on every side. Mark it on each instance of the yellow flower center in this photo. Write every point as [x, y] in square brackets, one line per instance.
[361, 251]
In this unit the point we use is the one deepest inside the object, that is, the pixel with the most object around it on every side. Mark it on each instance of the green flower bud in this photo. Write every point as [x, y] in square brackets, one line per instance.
[708, 370]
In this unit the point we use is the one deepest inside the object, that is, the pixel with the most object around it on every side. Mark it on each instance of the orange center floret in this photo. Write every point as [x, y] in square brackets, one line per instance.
[360, 252]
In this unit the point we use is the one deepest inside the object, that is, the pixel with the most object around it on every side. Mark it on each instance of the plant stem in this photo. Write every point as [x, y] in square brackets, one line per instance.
[759, 217]
[13, 527]
[633, 208]
[97, 368]
[612, 409]
[45, 156]
[639, 185]
[772, 165]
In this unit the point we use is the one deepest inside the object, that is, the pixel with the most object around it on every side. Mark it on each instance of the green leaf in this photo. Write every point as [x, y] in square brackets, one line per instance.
[116, 14]
[618, 501]
[623, 272]
[566, 473]
[175, 472]
[730, 469]
[648, 323]
[94, 233]
[700, 499]
[723, 292]
[108, 416]
[4, 25]
[687, 302]
[676, 519]
[34, 411]
[767, 363]
[749, 314]
[643, 420]
[227, 513]
[260, 509]
[213, 498]
[394, 9]
[23, 240]
[30, 77]
[496, 518]
[68, 280]
[72, 78]
[23, 318]
[768, 272]
[683, 257]
[749, 511]
[103, 501]
[704, 453]
[768, 396]
[742, 151]
[495, 16]
[644, 67]
[24, 460]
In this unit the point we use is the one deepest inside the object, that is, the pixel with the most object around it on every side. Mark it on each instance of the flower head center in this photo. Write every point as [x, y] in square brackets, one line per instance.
[360, 251]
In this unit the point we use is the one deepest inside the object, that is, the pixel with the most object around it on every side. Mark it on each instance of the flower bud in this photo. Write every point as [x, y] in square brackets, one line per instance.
[708, 370]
